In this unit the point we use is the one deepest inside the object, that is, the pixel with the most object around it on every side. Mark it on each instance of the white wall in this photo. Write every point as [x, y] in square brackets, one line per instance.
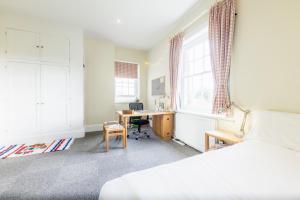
[100, 55]
[158, 66]
[75, 35]
[265, 63]
[99, 82]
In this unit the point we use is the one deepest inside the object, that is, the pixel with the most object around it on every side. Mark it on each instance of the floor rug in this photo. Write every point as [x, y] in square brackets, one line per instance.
[11, 151]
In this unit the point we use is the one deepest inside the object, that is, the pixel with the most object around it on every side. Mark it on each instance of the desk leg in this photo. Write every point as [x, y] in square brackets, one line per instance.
[125, 126]
[206, 142]
[120, 119]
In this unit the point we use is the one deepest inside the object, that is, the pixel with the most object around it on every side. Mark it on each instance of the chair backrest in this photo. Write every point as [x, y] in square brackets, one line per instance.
[136, 106]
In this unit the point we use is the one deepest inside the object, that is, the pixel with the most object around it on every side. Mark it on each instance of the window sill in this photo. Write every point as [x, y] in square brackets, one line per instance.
[206, 115]
[124, 102]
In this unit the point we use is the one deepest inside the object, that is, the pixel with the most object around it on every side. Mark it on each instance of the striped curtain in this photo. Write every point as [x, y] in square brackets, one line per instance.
[221, 29]
[174, 56]
[126, 70]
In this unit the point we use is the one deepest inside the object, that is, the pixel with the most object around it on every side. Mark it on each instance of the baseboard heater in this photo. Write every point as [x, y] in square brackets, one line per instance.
[190, 129]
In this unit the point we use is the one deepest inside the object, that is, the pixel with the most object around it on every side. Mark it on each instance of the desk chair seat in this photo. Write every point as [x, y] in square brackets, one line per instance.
[138, 121]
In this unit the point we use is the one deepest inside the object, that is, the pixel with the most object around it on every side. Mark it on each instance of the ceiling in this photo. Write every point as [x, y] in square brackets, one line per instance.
[130, 23]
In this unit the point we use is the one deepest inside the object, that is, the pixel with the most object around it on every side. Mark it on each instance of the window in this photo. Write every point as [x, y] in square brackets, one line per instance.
[126, 82]
[196, 91]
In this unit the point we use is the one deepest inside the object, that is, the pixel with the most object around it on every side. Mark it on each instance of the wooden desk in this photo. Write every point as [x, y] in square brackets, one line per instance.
[163, 121]
[221, 135]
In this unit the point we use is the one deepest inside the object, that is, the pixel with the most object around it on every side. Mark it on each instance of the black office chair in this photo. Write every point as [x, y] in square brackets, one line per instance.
[138, 121]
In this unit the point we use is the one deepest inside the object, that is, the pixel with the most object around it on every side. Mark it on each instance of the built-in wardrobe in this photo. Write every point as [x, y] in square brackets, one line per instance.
[41, 81]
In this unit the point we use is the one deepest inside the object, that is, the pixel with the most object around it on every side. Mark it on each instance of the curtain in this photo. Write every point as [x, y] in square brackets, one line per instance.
[221, 29]
[126, 70]
[174, 57]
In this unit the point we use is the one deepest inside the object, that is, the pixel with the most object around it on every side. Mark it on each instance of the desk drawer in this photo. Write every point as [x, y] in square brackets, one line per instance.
[163, 125]
[167, 126]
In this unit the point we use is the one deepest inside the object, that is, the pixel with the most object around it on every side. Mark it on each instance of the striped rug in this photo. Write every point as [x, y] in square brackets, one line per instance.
[11, 151]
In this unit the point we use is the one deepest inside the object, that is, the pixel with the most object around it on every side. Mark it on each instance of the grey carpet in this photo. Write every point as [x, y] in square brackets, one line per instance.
[80, 172]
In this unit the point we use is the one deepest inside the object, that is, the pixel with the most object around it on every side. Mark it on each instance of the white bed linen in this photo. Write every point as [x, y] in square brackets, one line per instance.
[282, 129]
[249, 170]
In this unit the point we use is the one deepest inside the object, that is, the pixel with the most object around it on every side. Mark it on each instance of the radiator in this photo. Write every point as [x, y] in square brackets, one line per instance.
[190, 129]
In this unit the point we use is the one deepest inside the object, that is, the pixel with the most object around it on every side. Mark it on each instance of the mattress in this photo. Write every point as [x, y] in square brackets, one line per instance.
[249, 170]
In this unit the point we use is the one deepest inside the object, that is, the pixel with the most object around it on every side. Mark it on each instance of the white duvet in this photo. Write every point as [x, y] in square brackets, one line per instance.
[249, 170]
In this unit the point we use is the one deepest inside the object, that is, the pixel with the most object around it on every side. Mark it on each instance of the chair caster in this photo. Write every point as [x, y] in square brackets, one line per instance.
[127, 136]
[148, 136]
[136, 138]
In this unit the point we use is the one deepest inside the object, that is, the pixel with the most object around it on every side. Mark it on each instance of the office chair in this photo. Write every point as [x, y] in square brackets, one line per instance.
[138, 121]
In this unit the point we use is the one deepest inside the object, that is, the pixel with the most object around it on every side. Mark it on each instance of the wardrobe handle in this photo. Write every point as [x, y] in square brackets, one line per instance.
[37, 46]
[42, 46]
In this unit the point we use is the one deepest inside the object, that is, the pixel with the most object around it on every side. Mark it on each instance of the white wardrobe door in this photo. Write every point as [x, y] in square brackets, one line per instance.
[3, 99]
[55, 49]
[23, 97]
[54, 98]
[22, 45]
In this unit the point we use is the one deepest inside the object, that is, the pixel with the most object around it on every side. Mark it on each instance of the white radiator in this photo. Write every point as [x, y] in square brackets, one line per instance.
[190, 129]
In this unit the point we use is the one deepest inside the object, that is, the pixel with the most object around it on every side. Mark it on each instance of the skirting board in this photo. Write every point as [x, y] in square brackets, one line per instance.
[93, 128]
[42, 138]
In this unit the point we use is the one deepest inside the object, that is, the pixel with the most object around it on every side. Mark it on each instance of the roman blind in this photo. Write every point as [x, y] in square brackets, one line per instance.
[126, 70]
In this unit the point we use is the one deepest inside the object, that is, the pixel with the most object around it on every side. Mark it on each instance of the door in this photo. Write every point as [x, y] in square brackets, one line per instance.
[54, 98]
[55, 49]
[23, 82]
[22, 45]
[3, 99]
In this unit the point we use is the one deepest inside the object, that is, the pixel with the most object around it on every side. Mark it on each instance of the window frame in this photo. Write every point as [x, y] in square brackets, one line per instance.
[126, 98]
[191, 42]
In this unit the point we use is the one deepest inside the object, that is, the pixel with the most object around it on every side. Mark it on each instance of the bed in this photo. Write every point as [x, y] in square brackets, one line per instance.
[265, 166]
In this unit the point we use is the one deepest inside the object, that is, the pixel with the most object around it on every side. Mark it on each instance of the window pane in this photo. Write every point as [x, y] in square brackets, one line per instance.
[207, 64]
[199, 50]
[190, 54]
[126, 87]
[206, 48]
[197, 83]
[131, 92]
[199, 66]
[191, 68]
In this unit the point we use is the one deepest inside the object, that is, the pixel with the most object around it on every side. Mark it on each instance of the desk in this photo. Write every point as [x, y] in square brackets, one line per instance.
[163, 121]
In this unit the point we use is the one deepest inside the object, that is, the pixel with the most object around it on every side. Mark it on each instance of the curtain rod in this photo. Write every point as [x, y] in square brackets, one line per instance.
[194, 20]
[184, 28]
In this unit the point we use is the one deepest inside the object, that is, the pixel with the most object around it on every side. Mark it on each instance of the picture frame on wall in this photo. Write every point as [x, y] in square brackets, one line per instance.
[159, 86]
